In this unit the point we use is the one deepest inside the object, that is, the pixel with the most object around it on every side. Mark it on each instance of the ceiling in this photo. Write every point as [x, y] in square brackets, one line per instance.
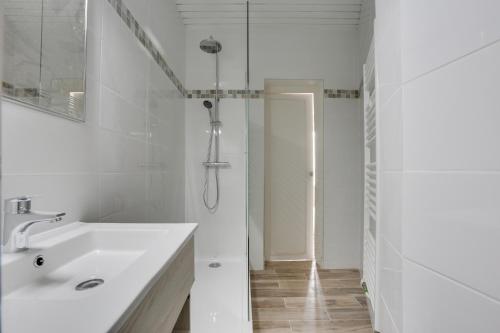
[344, 13]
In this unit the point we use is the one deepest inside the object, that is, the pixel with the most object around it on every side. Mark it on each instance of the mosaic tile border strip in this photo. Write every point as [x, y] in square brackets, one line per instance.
[11, 90]
[231, 93]
[341, 93]
[145, 40]
[328, 93]
[134, 26]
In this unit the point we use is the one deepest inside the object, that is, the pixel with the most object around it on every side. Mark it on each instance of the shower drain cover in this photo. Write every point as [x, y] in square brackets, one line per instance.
[89, 284]
[214, 265]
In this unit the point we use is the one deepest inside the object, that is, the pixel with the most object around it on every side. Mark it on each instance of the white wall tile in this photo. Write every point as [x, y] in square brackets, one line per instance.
[390, 124]
[121, 116]
[388, 41]
[343, 188]
[435, 304]
[223, 233]
[452, 226]
[256, 183]
[387, 325]
[366, 29]
[390, 212]
[124, 61]
[94, 38]
[451, 116]
[304, 52]
[118, 153]
[391, 282]
[122, 198]
[105, 166]
[437, 32]
[74, 194]
[168, 34]
[200, 71]
[35, 142]
[391, 133]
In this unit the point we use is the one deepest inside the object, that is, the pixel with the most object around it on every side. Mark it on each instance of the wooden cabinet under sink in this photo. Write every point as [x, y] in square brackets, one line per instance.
[164, 307]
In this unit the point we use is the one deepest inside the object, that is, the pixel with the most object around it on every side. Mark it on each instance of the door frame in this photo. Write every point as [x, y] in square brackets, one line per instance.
[283, 86]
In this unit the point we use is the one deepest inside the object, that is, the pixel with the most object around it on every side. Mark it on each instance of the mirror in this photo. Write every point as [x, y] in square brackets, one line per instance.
[44, 55]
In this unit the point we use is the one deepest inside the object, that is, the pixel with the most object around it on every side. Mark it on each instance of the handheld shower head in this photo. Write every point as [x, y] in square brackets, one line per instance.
[207, 104]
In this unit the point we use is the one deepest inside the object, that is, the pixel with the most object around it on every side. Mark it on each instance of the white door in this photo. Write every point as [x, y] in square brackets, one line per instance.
[289, 176]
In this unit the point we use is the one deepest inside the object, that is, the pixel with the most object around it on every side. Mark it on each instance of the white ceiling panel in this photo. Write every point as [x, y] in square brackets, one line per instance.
[308, 12]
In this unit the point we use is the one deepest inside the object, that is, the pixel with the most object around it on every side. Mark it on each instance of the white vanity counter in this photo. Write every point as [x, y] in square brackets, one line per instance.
[130, 258]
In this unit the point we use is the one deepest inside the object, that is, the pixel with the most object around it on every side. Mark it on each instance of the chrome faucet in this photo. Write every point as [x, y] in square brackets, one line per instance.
[18, 220]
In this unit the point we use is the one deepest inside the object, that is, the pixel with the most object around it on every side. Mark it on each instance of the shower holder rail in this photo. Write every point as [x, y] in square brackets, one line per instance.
[216, 164]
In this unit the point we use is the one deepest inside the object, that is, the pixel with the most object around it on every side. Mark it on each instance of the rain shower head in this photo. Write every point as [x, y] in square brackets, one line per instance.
[210, 45]
[207, 104]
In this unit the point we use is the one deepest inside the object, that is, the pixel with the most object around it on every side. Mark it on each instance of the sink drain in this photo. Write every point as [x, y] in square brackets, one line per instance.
[214, 265]
[89, 284]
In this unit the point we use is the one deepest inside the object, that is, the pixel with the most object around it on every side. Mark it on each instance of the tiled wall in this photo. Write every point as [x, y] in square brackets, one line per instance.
[367, 16]
[1, 79]
[451, 174]
[126, 162]
[140, 128]
[387, 52]
[331, 54]
[343, 183]
[440, 194]
[223, 234]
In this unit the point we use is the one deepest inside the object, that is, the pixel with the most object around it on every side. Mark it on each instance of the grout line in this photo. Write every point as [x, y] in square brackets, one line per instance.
[453, 171]
[455, 281]
[391, 245]
[450, 62]
[390, 313]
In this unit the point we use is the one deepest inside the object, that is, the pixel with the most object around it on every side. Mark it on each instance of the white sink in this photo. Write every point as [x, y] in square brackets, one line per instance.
[127, 257]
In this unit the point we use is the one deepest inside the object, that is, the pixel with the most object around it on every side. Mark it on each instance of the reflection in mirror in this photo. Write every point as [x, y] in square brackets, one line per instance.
[44, 54]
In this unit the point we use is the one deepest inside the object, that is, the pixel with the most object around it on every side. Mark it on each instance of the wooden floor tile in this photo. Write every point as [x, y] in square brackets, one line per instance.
[271, 324]
[280, 276]
[265, 284]
[344, 314]
[300, 264]
[312, 326]
[329, 302]
[317, 283]
[290, 314]
[298, 296]
[281, 292]
[268, 302]
[272, 330]
[341, 291]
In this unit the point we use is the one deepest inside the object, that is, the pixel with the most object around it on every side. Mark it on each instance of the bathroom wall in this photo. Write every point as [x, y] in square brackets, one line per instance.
[343, 184]
[220, 235]
[126, 162]
[141, 136]
[313, 52]
[388, 65]
[451, 221]
[441, 173]
[366, 29]
[1, 78]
